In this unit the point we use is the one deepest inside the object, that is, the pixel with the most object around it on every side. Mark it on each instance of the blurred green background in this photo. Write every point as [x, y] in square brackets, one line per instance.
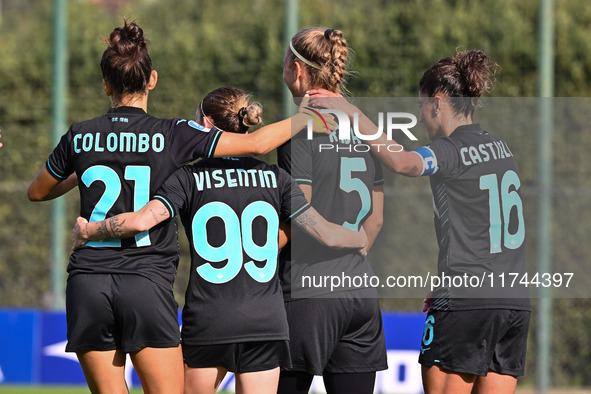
[200, 45]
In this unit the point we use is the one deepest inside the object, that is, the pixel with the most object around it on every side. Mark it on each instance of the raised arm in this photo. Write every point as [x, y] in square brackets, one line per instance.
[124, 225]
[404, 162]
[330, 234]
[270, 137]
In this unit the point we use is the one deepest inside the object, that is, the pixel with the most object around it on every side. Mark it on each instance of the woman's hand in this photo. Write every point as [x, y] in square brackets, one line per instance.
[320, 123]
[326, 99]
[363, 234]
[427, 301]
[79, 237]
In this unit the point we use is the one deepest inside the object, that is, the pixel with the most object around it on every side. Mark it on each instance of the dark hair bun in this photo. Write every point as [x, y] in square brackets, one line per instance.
[128, 39]
[477, 71]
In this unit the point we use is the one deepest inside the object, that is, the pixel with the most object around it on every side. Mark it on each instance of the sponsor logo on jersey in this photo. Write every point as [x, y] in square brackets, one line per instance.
[197, 126]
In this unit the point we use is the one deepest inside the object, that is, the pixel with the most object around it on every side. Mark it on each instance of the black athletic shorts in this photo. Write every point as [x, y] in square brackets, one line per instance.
[119, 311]
[336, 335]
[476, 341]
[238, 357]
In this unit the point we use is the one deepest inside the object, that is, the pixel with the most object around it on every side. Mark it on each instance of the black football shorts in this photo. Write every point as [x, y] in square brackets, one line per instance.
[336, 335]
[238, 357]
[476, 341]
[119, 311]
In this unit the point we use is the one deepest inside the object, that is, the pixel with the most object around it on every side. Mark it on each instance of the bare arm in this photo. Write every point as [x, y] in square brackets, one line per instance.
[405, 163]
[329, 234]
[124, 225]
[63, 187]
[45, 187]
[373, 224]
[267, 138]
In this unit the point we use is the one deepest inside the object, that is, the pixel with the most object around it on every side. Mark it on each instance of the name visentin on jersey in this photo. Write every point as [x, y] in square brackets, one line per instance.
[121, 142]
[485, 152]
[235, 177]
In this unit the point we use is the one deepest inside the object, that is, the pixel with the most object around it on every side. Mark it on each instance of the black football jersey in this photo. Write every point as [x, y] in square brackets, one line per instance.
[478, 221]
[121, 159]
[342, 174]
[231, 209]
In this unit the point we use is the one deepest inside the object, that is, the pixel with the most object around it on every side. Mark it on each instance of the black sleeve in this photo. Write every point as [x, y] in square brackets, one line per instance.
[60, 163]
[176, 191]
[447, 155]
[293, 201]
[379, 173]
[190, 141]
[296, 158]
[284, 156]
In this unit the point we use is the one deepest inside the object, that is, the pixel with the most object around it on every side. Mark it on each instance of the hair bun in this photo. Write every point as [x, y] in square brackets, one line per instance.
[328, 33]
[251, 115]
[477, 70]
[242, 112]
[128, 38]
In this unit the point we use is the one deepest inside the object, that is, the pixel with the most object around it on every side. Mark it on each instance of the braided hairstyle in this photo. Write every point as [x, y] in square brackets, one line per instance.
[327, 48]
[231, 110]
[468, 74]
[126, 64]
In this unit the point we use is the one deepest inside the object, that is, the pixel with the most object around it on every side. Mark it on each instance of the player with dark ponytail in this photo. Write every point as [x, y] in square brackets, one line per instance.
[119, 295]
[471, 340]
[337, 334]
[234, 318]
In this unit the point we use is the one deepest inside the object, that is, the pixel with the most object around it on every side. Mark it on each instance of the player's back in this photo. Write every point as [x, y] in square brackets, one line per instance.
[121, 159]
[478, 213]
[232, 223]
[342, 175]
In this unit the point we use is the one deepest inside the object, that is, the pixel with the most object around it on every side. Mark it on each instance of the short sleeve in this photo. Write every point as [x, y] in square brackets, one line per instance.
[379, 173]
[296, 158]
[447, 155]
[60, 163]
[190, 141]
[174, 192]
[293, 201]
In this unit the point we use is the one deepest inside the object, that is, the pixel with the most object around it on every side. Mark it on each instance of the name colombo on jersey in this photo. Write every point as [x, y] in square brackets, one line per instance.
[122, 142]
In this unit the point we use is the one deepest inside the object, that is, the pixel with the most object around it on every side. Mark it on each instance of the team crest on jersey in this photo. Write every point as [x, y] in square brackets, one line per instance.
[197, 126]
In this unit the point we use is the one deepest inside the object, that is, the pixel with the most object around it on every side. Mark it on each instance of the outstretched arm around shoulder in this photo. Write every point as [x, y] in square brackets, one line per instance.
[269, 137]
[407, 163]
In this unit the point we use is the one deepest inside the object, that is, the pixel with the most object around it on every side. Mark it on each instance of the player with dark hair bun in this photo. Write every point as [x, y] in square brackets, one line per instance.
[119, 295]
[233, 319]
[471, 342]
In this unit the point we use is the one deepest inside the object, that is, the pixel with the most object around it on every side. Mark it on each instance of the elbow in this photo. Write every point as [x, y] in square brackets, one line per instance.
[260, 149]
[34, 195]
[259, 146]
[402, 168]
[378, 225]
[140, 225]
[330, 242]
[394, 166]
